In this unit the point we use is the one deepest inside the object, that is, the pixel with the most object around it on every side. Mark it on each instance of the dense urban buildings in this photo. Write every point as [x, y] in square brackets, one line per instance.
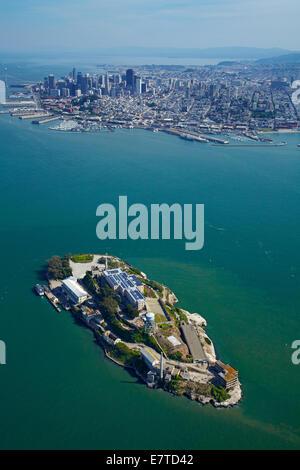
[192, 102]
[228, 97]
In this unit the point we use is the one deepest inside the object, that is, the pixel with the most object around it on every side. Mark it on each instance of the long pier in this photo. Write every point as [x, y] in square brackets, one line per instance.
[183, 133]
[30, 116]
[47, 119]
[254, 146]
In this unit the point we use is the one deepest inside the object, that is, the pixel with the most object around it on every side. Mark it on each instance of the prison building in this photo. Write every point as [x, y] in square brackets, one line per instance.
[126, 285]
[226, 376]
[73, 290]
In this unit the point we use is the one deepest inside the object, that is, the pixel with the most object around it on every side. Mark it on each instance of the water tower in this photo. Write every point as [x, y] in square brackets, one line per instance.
[150, 322]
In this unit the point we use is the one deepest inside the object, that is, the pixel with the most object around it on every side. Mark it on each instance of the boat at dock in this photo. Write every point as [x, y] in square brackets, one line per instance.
[265, 139]
[52, 299]
[39, 289]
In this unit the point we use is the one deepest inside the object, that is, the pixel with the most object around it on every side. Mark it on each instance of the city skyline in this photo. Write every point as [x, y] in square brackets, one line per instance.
[70, 26]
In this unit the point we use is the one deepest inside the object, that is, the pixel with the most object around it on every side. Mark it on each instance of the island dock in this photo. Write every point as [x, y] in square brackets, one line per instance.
[52, 299]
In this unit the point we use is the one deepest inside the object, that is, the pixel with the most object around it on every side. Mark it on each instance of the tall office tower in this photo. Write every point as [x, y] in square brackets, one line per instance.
[74, 74]
[130, 78]
[51, 81]
[113, 91]
[46, 83]
[107, 84]
[72, 88]
[138, 85]
[60, 84]
[94, 82]
[65, 92]
[79, 80]
[85, 83]
[117, 78]
[102, 81]
[2, 92]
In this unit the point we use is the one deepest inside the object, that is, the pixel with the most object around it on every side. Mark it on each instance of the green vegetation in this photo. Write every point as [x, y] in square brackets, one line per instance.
[175, 312]
[81, 258]
[177, 356]
[148, 292]
[131, 312]
[90, 282]
[182, 315]
[143, 337]
[59, 268]
[164, 326]
[198, 388]
[159, 317]
[219, 393]
[112, 264]
[129, 358]
[122, 353]
[176, 385]
[101, 291]
[135, 271]
[155, 285]
[170, 311]
[108, 307]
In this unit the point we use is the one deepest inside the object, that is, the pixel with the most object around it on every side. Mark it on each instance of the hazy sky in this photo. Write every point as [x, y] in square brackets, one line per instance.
[91, 24]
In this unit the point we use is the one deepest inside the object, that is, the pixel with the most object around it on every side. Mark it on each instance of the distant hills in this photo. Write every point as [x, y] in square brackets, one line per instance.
[292, 58]
[224, 54]
[208, 53]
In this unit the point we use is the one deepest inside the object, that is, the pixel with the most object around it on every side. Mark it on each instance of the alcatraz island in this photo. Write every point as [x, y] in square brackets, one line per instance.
[136, 322]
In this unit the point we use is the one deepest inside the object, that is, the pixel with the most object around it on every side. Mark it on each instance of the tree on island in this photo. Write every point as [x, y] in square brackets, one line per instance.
[58, 268]
[131, 312]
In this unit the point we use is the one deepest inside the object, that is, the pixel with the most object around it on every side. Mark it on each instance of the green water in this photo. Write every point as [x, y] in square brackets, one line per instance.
[57, 390]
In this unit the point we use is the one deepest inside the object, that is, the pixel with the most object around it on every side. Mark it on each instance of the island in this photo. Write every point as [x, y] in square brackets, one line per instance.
[136, 322]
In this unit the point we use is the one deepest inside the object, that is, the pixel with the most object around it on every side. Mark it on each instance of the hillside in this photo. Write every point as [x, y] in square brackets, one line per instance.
[293, 58]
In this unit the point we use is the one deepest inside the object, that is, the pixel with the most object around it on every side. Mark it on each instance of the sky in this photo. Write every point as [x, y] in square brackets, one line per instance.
[79, 25]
